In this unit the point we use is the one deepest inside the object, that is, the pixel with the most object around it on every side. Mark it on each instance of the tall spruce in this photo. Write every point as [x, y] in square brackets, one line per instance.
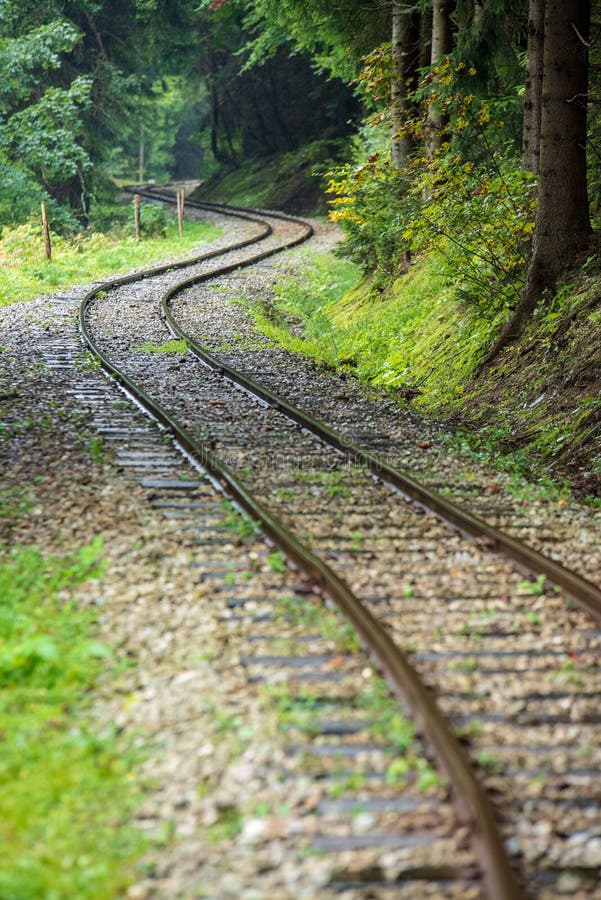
[534, 87]
[442, 46]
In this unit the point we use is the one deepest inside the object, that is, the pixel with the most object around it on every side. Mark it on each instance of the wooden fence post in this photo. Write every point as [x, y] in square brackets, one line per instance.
[46, 230]
[181, 197]
[137, 217]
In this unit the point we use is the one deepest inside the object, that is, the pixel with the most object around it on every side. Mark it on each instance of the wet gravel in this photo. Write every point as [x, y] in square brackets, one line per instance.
[569, 532]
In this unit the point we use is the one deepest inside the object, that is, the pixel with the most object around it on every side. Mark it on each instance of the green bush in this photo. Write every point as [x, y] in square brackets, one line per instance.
[480, 218]
[21, 197]
[153, 220]
[467, 200]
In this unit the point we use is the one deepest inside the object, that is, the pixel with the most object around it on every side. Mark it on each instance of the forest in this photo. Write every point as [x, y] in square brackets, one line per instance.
[455, 142]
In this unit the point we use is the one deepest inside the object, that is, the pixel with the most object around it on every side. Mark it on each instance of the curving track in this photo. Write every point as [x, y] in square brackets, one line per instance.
[516, 675]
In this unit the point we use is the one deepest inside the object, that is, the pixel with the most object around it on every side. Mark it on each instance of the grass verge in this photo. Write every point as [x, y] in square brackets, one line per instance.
[25, 273]
[298, 315]
[536, 412]
[66, 792]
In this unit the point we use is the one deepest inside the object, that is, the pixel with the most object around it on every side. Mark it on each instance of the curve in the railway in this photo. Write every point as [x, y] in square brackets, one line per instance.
[471, 800]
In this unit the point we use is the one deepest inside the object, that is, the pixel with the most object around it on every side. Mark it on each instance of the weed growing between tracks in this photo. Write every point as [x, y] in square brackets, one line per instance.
[66, 792]
[374, 703]
[177, 346]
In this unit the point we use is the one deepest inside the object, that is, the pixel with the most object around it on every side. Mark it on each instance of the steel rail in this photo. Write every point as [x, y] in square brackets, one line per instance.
[240, 213]
[265, 231]
[532, 561]
[470, 801]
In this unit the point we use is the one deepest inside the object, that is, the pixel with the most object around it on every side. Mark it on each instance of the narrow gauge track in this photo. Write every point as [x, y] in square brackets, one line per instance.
[342, 744]
[540, 725]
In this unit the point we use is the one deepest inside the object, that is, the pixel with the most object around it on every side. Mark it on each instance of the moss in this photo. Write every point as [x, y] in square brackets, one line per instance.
[177, 346]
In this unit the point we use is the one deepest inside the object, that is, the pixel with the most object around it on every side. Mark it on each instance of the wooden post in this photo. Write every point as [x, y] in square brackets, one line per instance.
[137, 217]
[181, 197]
[46, 230]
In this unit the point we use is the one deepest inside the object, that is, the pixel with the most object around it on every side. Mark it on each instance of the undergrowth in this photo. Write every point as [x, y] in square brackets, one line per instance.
[298, 317]
[87, 256]
[66, 791]
[394, 340]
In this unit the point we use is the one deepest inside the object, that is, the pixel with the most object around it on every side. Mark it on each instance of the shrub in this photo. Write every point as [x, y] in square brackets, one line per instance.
[480, 217]
[20, 199]
[153, 220]
[367, 204]
[468, 200]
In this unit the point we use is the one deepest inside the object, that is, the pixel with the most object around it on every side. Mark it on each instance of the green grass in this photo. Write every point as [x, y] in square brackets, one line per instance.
[298, 318]
[25, 272]
[238, 521]
[66, 792]
[417, 336]
[394, 341]
[173, 346]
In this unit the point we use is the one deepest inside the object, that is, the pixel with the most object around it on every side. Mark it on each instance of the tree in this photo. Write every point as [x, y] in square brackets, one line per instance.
[442, 30]
[405, 58]
[442, 45]
[41, 121]
[68, 87]
[562, 227]
[534, 87]
[335, 35]
[264, 98]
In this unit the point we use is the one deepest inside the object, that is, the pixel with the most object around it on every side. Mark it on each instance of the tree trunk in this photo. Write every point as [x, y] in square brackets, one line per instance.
[562, 226]
[403, 69]
[275, 106]
[425, 38]
[442, 33]
[534, 87]
[214, 119]
[442, 45]
[141, 155]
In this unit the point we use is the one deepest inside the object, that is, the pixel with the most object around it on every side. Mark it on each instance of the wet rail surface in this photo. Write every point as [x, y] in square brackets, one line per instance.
[516, 673]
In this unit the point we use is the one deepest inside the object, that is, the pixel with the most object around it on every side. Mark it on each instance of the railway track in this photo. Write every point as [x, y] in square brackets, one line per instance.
[514, 670]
